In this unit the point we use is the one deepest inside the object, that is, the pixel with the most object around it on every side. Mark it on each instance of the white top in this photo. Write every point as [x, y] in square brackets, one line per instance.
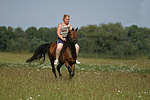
[64, 30]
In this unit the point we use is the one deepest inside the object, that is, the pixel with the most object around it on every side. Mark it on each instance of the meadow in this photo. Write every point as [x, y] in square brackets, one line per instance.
[95, 79]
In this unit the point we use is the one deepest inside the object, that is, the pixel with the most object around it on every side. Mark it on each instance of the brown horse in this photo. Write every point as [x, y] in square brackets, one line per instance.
[67, 56]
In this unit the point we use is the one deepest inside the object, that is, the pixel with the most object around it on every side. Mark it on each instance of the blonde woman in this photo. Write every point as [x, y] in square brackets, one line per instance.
[62, 31]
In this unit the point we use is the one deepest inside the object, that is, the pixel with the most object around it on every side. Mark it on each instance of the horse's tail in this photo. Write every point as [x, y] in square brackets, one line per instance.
[39, 53]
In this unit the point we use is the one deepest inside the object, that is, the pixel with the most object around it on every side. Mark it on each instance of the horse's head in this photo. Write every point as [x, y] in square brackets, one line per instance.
[73, 36]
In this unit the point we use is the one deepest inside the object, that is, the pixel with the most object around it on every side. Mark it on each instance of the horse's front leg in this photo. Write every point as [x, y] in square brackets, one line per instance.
[69, 69]
[72, 70]
[58, 68]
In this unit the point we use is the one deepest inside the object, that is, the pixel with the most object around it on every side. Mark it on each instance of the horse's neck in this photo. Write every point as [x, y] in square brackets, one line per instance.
[71, 47]
[73, 50]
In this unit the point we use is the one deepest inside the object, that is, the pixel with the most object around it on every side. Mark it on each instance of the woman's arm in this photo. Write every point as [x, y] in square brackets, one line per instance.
[70, 27]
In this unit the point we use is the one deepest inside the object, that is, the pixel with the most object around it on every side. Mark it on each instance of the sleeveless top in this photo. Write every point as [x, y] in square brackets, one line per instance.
[64, 30]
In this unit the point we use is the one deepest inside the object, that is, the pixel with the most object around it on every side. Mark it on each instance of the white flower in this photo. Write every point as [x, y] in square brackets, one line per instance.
[82, 69]
[118, 90]
[38, 95]
[30, 97]
[139, 96]
[144, 92]
[37, 70]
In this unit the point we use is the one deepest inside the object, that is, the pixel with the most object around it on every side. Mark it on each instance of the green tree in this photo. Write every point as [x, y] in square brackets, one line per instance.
[3, 38]
[48, 35]
[32, 32]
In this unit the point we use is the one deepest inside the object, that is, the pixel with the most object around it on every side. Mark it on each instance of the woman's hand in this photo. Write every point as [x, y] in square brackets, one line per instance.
[64, 39]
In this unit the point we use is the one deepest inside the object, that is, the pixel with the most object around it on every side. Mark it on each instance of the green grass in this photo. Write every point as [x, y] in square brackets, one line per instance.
[95, 79]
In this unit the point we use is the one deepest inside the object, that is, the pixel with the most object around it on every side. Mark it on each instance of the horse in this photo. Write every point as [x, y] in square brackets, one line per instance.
[67, 56]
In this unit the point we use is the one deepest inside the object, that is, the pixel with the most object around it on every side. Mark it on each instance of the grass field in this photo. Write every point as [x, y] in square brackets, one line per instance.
[95, 79]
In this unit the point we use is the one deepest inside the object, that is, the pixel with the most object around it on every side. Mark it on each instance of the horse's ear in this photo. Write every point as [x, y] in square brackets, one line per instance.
[76, 29]
[72, 29]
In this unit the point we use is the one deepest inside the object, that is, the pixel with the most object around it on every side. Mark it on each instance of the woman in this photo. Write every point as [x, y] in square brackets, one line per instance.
[62, 31]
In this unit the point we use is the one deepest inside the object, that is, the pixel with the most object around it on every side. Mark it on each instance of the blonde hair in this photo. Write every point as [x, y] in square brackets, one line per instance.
[66, 15]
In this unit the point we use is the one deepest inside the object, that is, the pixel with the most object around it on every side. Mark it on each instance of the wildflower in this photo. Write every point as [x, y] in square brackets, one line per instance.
[37, 70]
[118, 90]
[82, 69]
[38, 95]
[139, 96]
[144, 92]
[30, 97]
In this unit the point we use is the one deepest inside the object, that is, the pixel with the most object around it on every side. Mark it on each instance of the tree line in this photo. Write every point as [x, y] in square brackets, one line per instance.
[104, 40]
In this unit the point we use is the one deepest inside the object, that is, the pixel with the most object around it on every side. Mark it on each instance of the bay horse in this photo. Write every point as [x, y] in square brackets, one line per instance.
[67, 56]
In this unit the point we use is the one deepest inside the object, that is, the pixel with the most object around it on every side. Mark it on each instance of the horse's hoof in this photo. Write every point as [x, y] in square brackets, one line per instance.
[56, 77]
[72, 74]
[60, 76]
[70, 77]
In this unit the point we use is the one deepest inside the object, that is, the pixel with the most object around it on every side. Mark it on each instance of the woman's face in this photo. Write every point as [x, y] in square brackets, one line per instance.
[66, 20]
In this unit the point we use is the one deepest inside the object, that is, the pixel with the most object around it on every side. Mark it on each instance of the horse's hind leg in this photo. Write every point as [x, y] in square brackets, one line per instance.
[58, 68]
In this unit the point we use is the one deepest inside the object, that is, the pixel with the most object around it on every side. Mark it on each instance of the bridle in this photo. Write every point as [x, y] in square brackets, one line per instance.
[73, 41]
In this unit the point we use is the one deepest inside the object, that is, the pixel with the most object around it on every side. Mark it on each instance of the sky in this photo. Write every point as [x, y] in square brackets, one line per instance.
[49, 13]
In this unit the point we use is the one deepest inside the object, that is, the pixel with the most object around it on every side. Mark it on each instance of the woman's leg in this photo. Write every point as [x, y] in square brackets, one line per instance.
[58, 49]
[77, 48]
[77, 51]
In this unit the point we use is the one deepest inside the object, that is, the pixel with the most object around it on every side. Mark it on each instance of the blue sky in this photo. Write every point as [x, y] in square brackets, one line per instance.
[49, 13]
